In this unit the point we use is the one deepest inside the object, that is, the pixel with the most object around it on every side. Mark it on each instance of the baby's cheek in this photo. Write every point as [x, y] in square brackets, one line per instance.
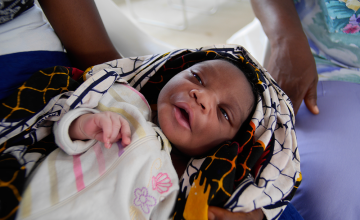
[225, 133]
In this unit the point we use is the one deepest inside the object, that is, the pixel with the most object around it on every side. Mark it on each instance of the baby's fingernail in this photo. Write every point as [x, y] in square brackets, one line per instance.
[126, 140]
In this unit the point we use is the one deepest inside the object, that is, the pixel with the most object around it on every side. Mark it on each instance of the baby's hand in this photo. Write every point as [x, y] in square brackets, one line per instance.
[107, 127]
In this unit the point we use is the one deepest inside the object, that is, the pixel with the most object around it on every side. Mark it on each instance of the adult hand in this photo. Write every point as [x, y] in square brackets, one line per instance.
[291, 63]
[216, 213]
[293, 68]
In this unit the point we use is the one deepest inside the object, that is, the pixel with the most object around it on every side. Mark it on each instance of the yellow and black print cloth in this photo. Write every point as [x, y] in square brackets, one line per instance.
[25, 138]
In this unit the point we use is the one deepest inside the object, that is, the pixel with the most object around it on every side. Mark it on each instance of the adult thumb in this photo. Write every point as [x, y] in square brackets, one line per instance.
[311, 100]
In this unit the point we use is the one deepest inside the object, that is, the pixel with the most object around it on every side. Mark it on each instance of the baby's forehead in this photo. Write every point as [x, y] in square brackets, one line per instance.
[220, 71]
[215, 62]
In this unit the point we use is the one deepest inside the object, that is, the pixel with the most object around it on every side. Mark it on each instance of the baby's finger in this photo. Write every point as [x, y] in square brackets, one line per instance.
[105, 124]
[125, 132]
[116, 126]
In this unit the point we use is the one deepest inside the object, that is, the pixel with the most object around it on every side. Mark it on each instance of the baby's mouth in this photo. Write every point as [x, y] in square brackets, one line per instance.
[185, 115]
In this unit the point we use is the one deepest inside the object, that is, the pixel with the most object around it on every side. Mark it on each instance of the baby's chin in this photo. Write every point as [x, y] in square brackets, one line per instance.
[178, 152]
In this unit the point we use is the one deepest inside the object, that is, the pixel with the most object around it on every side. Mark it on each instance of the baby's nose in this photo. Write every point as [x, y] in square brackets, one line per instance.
[202, 98]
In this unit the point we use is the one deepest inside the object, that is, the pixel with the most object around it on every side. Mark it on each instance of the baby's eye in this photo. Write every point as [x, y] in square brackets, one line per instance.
[224, 113]
[198, 78]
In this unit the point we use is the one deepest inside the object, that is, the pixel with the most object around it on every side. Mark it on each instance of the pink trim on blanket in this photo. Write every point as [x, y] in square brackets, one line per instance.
[100, 158]
[79, 178]
[141, 95]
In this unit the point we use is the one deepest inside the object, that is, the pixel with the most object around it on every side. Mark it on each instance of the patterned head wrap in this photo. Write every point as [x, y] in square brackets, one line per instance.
[260, 168]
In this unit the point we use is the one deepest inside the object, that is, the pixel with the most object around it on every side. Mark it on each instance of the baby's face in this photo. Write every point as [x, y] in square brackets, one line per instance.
[204, 106]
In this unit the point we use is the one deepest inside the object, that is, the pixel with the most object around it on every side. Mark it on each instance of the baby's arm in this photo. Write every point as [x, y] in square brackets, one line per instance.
[107, 127]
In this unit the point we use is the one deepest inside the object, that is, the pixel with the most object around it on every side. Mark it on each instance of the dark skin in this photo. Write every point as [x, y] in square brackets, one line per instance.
[291, 62]
[79, 27]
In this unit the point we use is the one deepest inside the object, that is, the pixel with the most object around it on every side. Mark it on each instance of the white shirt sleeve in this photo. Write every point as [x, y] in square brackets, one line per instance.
[61, 132]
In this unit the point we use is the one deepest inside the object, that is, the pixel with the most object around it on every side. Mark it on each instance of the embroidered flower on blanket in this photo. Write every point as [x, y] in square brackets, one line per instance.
[144, 200]
[161, 182]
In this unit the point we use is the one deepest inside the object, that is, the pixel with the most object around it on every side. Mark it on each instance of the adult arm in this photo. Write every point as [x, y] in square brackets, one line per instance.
[291, 63]
[79, 27]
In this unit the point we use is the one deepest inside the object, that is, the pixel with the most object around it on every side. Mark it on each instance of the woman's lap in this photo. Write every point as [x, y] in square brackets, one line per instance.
[329, 151]
[27, 44]
[20, 66]
[28, 32]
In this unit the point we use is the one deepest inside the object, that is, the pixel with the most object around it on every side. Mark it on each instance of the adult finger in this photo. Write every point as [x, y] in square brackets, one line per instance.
[105, 123]
[311, 99]
[296, 103]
